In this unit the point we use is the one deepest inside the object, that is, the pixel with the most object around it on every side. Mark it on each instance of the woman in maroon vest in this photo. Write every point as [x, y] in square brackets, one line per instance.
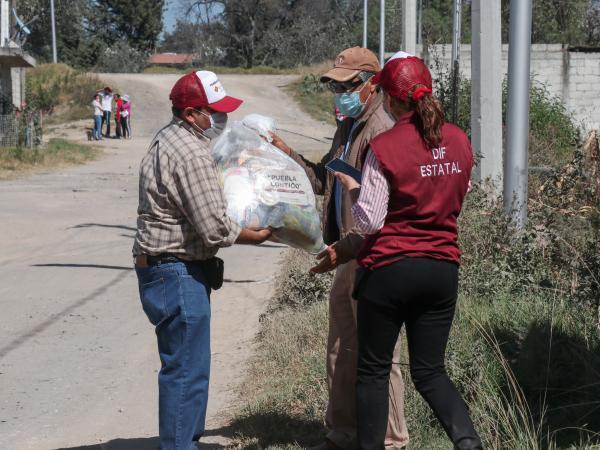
[414, 181]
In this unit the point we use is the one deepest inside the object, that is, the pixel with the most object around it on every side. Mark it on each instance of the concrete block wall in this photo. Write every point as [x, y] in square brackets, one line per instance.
[572, 76]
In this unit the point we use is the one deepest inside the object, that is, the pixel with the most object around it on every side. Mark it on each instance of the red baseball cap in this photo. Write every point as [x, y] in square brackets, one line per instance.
[202, 88]
[405, 77]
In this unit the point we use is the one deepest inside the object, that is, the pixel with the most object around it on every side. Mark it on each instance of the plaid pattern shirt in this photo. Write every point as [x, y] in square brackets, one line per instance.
[182, 208]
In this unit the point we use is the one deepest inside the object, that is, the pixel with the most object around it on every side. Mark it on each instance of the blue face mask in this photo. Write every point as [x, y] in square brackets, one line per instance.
[349, 104]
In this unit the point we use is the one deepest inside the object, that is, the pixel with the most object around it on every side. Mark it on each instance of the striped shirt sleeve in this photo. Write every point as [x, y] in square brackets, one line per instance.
[370, 209]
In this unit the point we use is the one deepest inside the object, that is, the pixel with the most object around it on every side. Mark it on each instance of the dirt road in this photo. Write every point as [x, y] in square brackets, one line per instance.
[78, 362]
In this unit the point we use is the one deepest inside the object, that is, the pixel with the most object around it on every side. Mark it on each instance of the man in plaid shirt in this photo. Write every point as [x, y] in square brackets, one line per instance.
[181, 225]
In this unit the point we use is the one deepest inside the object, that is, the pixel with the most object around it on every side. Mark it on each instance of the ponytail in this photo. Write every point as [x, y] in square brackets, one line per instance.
[429, 118]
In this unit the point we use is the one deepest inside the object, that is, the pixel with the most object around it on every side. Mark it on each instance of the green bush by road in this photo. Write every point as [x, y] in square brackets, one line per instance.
[61, 93]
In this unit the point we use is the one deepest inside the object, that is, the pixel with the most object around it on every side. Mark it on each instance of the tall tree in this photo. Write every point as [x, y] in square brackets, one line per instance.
[278, 32]
[138, 22]
[72, 40]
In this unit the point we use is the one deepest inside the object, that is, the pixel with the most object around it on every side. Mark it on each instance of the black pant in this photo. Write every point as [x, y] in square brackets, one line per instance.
[118, 127]
[106, 119]
[126, 127]
[421, 293]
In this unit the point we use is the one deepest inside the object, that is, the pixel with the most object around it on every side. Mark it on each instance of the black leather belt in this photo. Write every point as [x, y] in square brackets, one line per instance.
[150, 260]
[212, 267]
[163, 259]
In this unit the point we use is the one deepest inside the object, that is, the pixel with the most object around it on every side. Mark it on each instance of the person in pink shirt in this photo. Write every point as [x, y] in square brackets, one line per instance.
[125, 115]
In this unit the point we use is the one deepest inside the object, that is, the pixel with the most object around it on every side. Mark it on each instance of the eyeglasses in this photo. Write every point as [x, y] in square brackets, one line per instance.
[337, 86]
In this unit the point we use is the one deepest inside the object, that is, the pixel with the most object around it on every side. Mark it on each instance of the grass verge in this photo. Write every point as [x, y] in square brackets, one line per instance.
[313, 98]
[56, 153]
[256, 70]
[527, 366]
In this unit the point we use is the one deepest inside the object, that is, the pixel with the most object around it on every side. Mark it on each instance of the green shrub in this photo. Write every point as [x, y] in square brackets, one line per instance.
[61, 93]
[557, 252]
[311, 84]
[553, 133]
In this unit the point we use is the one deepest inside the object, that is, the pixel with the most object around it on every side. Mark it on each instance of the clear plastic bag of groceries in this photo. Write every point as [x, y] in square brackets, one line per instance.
[264, 187]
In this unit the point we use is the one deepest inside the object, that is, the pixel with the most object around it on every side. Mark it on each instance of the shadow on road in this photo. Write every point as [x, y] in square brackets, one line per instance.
[102, 225]
[149, 443]
[93, 266]
[269, 428]
[102, 266]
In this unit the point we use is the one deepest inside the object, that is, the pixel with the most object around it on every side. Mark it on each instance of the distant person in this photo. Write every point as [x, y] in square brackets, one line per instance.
[181, 225]
[414, 181]
[361, 106]
[125, 117]
[98, 114]
[118, 104]
[107, 99]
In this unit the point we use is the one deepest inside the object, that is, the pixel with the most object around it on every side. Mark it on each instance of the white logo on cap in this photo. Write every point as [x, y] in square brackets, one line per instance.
[212, 86]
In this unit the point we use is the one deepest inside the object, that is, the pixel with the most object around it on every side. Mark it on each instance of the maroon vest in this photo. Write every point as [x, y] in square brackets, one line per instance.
[427, 189]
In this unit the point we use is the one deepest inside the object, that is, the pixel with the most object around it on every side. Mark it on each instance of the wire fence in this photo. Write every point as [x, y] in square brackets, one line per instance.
[20, 130]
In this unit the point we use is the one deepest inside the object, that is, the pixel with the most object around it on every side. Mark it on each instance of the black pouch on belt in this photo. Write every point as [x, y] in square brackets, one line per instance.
[213, 269]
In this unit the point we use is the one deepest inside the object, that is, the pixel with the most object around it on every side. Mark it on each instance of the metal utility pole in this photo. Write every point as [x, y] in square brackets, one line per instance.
[382, 33]
[486, 90]
[365, 19]
[409, 29]
[456, 13]
[53, 22]
[4, 23]
[420, 22]
[517, 138]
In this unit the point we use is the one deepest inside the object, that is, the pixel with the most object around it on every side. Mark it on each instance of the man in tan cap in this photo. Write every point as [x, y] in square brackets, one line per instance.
[361, 103]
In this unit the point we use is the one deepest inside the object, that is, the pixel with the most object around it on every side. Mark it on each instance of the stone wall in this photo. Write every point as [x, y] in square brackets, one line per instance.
[571, 75]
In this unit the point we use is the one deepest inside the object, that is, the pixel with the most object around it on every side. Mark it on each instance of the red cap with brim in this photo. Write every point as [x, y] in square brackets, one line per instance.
[226, 105]
[202, 88]
[402, 77]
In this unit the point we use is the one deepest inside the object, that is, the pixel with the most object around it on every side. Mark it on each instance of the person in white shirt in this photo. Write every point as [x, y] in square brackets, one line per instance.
[107, 98]
[98, 115]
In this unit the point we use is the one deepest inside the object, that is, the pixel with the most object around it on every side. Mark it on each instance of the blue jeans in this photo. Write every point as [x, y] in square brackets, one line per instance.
[176, 299]
[97, 134]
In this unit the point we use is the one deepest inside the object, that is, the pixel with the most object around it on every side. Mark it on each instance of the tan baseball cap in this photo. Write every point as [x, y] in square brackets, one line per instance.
[350, 63]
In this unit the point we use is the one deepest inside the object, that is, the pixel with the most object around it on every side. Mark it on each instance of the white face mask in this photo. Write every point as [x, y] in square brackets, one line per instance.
[218, 122]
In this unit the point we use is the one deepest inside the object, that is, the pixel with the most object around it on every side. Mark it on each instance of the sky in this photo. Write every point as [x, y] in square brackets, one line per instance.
[171, 13]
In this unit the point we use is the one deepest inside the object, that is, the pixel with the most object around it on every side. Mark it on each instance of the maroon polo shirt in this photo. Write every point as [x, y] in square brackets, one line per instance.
[427, 189]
